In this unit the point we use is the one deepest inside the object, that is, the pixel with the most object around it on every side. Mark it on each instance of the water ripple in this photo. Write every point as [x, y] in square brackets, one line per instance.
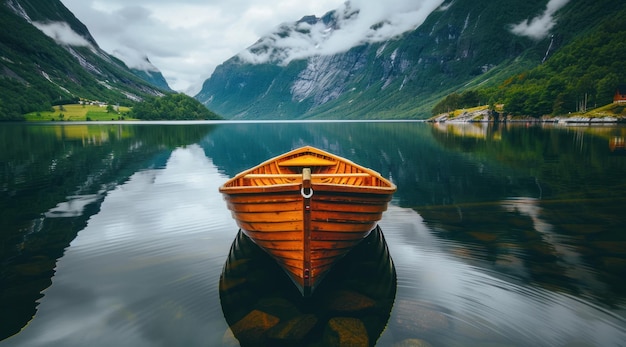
[148, 263]
[462, 288]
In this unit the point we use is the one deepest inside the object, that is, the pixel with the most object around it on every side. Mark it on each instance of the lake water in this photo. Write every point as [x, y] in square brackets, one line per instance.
[116, 235]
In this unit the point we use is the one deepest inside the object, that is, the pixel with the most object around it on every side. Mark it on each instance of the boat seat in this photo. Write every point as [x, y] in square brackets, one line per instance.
[307, 161]
[323, 175]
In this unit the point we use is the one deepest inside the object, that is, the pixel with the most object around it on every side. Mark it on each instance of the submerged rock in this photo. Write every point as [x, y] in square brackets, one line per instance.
[342, 331]
[252, 328]
[232, 283]
[349, 301]
[294, 329]
[279, 307]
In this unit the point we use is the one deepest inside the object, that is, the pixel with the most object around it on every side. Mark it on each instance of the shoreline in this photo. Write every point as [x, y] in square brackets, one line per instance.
[486, 116]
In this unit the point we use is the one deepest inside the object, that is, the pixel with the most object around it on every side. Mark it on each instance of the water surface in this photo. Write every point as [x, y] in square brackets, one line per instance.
[115, 234]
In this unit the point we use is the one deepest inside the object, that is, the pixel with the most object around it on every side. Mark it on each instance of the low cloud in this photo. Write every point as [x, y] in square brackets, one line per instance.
[135, 60]
[357, 22]
[540, 26]
[62, 33]
[186, 39]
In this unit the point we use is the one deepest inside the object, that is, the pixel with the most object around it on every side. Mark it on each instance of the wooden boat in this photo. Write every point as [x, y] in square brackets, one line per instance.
[307, 208]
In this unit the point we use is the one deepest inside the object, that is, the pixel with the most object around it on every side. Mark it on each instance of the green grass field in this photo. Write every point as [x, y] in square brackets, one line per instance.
[610, 110]
[456, 113]
[78, 113]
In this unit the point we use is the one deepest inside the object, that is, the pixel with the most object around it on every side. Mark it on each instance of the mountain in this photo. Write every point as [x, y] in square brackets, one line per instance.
[141, 66]
[154, 77]
[301, 70]
[48, 56]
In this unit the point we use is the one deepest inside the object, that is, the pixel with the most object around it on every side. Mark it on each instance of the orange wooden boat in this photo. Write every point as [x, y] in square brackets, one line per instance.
[307, 208]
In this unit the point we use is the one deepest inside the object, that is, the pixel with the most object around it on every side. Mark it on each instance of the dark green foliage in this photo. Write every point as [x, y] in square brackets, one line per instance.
[173, 107]
[17, 100]
[62, 102]
[456, 101]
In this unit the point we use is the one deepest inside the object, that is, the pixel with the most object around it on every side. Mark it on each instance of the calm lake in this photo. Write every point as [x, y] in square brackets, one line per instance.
[499, 235]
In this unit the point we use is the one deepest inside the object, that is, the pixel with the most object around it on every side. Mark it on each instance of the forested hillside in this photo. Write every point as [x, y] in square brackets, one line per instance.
[36, 71]
[173, 107]
[582, 75]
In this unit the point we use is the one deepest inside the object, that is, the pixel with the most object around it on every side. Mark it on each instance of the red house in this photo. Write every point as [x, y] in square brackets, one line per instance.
[620, 94]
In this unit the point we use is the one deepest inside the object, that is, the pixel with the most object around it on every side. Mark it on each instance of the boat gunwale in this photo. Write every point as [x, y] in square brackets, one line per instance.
[317, 187]
[231, 184]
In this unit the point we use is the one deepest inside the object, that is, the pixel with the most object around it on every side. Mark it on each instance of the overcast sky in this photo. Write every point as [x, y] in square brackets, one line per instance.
[187, 39]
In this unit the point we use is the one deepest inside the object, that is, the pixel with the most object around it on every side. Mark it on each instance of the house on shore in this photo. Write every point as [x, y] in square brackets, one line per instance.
[620, 94]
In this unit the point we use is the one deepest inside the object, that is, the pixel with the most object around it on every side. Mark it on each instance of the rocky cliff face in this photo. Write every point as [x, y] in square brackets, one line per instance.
[460, 44]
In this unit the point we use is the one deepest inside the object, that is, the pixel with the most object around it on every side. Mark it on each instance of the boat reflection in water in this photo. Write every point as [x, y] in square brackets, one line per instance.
[617, 144]
[350, 307]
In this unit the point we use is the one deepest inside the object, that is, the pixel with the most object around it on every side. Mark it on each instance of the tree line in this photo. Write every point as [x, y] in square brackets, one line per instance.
[173, 107]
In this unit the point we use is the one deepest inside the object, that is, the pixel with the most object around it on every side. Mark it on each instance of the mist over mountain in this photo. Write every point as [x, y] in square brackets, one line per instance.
[354, 23]
[47, 55]
[394, 60]
[141, 66]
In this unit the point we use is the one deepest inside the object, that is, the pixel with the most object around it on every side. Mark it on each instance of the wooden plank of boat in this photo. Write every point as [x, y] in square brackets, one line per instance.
[307, 208]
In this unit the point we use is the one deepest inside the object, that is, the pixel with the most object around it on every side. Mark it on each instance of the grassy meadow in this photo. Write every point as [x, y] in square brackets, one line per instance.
[610, 110]
[78, 113]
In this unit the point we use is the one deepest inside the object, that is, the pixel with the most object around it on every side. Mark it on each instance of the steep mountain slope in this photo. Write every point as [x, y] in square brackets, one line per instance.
[47, 55]
[580, 76]
[462, 44]
[154, 77]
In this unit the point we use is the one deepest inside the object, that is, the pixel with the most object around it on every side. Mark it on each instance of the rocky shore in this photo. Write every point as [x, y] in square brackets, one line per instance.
[485, 116]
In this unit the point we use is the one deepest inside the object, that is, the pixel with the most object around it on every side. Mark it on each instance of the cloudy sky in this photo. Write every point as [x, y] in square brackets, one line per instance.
[187, 39]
